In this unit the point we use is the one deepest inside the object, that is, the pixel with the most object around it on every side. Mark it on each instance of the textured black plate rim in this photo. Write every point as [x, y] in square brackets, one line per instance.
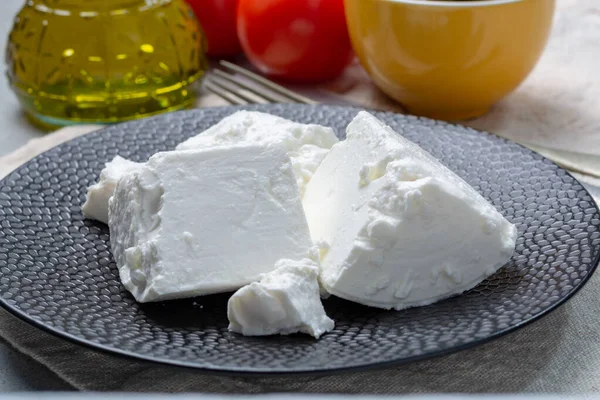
[258, 372]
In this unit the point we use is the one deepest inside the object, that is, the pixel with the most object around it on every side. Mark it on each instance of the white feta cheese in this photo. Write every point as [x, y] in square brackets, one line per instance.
[398, 229]
[96, 202]
[191, 223]
[306, 144]
[285, 301]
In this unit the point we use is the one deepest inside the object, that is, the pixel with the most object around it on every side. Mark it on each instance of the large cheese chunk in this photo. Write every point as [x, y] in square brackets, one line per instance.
[285, 301]
[398, 229]
[96, 202]
[191, 223]
[306, 144]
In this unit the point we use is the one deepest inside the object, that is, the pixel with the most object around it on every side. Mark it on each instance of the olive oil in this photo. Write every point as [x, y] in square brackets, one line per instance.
[104, 61]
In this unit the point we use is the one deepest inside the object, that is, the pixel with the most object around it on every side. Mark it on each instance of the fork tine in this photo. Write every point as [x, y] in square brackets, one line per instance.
[231, 88]
[261, 93]
[265, 82]
[238, 89]
[225, 95]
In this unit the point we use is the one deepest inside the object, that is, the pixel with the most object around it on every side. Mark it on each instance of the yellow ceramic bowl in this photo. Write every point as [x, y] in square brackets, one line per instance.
[448, 59]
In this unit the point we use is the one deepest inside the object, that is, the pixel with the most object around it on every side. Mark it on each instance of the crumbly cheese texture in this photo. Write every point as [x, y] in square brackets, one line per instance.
[96, 202]
[285, 301]
[397, 228]
[306, 144]
[192, 223]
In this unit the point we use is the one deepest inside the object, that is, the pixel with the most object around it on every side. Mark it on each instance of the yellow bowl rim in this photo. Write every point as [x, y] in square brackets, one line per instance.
[453, 3]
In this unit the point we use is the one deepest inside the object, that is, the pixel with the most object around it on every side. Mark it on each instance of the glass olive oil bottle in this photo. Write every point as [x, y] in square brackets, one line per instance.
[104, 61]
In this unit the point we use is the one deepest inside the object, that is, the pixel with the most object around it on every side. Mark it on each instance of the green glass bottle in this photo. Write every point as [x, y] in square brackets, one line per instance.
[104, 61]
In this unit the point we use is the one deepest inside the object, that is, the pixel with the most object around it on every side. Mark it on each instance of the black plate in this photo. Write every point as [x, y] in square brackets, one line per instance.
[57, 272]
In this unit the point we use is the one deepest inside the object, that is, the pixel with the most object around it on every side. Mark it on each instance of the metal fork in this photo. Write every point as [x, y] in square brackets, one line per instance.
[237, 85]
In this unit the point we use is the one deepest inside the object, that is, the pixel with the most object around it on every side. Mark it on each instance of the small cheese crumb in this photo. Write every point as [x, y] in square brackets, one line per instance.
[285, 301]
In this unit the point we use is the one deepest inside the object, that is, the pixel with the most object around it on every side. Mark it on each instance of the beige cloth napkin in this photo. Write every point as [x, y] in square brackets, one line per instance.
[556, 107]
[557, 354]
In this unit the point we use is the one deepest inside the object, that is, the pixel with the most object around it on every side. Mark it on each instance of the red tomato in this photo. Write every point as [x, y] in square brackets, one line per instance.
[217, 18]
[296, 40]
